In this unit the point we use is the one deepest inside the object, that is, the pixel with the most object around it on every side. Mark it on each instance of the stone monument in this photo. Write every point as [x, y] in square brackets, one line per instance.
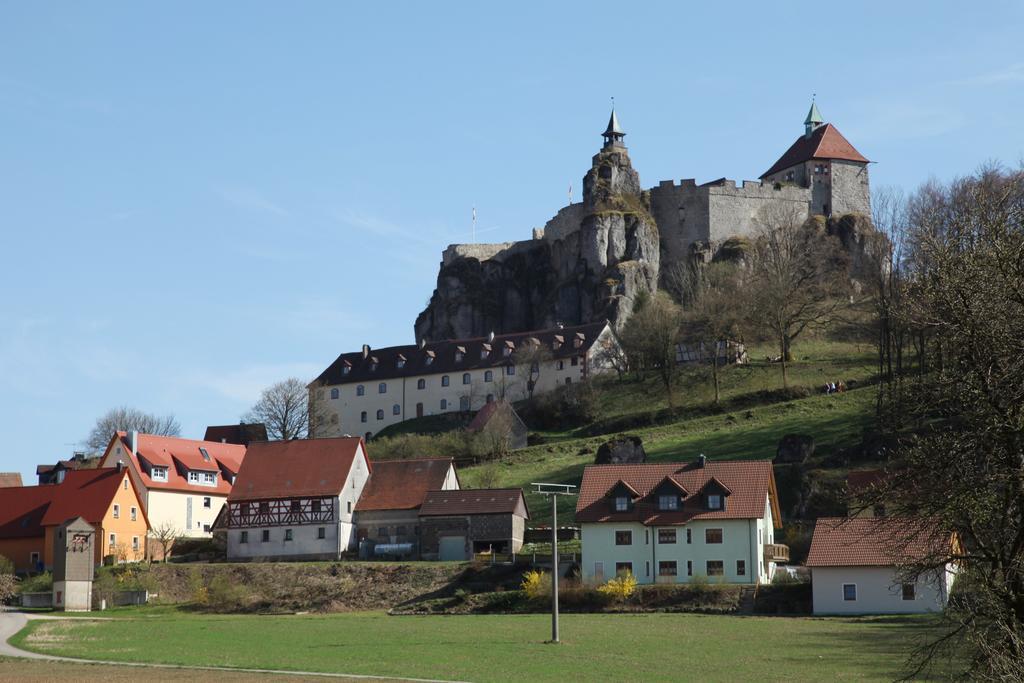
[74, 562]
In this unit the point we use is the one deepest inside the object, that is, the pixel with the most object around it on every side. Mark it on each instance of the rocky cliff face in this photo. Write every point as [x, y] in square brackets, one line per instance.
[593, 272]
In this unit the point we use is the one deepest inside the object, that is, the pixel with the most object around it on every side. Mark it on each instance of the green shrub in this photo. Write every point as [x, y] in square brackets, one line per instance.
[40, 583]
[197, 587]
[226, 595]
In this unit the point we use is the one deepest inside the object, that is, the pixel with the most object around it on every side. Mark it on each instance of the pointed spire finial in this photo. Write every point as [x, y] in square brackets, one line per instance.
[613, 133]
[814, 119]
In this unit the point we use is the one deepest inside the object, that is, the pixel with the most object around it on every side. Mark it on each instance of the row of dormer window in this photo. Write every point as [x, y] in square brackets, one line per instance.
[669, 502]
[460, 353]
[421, 383]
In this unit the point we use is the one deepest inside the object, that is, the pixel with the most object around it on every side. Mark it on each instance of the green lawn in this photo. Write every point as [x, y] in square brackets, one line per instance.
[499, 648]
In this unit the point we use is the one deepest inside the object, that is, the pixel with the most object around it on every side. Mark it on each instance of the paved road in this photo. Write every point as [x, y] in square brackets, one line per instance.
[11, 622]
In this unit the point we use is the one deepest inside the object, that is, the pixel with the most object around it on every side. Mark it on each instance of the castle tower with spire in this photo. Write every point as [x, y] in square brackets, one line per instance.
[824, 162]
[611, 172]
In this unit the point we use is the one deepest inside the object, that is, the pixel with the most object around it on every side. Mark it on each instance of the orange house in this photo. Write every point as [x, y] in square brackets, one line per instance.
[106, 498]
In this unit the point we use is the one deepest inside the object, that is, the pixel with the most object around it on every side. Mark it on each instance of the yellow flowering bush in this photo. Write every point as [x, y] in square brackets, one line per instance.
[620, 588]
[536, 584]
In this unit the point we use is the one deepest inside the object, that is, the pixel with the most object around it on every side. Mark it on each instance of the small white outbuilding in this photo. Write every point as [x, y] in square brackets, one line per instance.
[856, 566]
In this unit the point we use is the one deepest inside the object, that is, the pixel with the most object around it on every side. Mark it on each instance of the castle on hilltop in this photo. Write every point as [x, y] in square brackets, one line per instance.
[591, 259]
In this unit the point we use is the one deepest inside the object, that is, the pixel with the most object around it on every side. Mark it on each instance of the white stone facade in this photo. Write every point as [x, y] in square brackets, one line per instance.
[877, 590]
[365, 408]
[652, 550]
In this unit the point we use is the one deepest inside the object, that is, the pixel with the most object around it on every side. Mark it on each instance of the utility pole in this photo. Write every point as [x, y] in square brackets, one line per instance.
[554, 491]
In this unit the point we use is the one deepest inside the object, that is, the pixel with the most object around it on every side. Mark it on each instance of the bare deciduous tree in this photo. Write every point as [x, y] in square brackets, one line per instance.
[164, 535]
[713, 316]
[963, 465]
[797, 278]
[530, 359]
[650, 338]
[285, 409]
[129, 419]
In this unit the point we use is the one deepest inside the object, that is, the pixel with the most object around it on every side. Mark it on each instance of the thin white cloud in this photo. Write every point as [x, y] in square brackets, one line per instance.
[1010, 73]
[250, 199]
[245, 384]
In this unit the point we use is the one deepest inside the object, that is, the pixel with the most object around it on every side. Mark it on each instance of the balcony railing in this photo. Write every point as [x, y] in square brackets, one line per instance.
[776, 552]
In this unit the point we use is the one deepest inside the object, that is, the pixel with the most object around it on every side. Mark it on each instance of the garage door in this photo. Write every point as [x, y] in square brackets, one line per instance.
[452, 548]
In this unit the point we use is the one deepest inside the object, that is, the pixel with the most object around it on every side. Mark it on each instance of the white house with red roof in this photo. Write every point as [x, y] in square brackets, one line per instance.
[671, 522]
[866, 565]
[296, 499]
[183, 482]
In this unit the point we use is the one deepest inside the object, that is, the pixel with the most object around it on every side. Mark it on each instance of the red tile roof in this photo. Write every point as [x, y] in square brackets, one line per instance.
[22, 510]
[402, 484]
[474, 502]
[240, 434]
[826, 142]
[8, 479]
[875, 541]
[298, 468]
[85, 493]
[750, 483]
[179, 456]
[484, 415]
[862, 480]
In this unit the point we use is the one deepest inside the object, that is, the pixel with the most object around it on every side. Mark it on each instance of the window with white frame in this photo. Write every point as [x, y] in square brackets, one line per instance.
[134, 513]
[202, 478]
[158, 474]
[117, 511]
[621, 503]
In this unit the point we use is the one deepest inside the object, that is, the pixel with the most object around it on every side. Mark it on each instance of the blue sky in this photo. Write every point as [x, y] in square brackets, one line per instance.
[198, 199]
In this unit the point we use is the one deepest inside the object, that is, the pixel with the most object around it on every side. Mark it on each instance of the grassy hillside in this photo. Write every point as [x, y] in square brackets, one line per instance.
[753, 416]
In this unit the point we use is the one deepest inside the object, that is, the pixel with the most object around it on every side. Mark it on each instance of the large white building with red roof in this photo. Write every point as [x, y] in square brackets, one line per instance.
[183, 482]
[672, 522]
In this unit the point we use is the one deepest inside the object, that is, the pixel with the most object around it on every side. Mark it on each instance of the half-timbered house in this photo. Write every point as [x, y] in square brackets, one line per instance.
[296, 499]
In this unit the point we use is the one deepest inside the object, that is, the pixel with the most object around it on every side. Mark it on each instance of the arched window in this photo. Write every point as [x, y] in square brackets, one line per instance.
[444, 380]
[362, 416]
[382, 388]
[396, 409]
[380, 414]
[334, 393]
[444, 404]
[360, 390]
[464, 403]
[421, 384]
[490, 398]
[465, 378]
[489, 376]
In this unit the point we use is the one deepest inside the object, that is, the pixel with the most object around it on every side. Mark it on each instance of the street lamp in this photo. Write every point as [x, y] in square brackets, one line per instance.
[553, 491]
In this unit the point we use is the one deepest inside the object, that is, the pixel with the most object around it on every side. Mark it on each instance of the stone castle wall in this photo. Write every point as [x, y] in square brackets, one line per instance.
[851, 192]
[688, 214]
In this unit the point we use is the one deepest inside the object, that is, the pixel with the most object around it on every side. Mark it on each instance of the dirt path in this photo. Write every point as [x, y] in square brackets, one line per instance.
[13, 622]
